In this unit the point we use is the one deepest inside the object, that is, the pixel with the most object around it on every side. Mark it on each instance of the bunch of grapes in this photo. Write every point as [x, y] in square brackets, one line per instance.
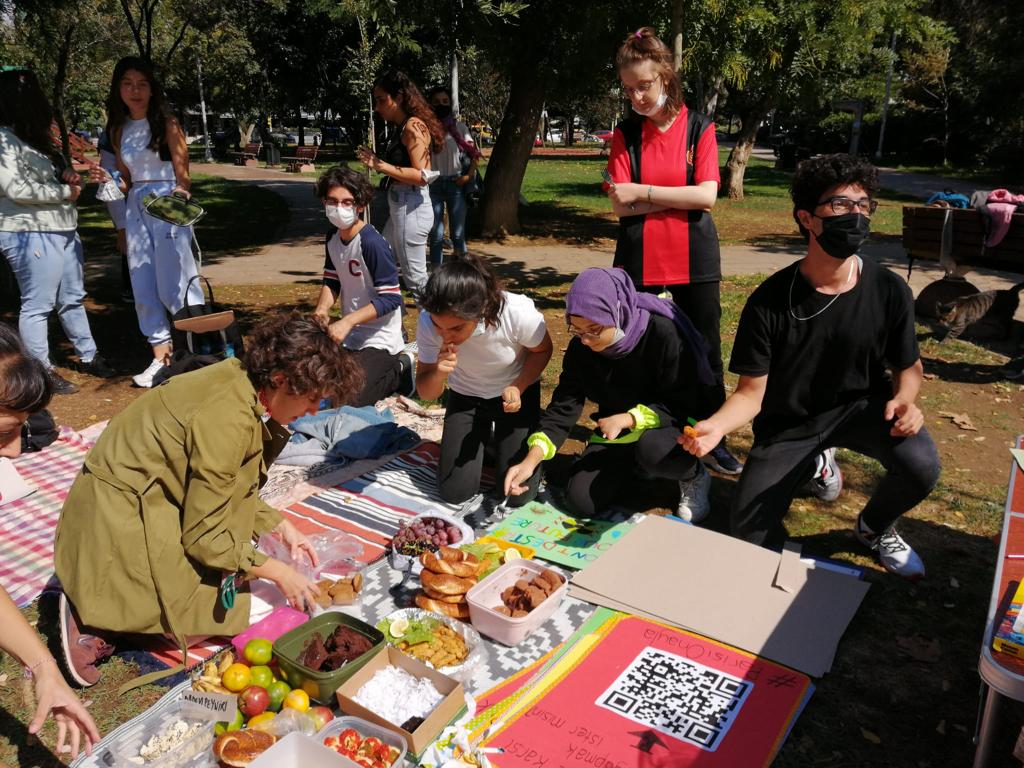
[425, 534]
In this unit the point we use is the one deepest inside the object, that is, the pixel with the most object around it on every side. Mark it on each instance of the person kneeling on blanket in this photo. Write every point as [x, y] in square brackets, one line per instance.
[634, 355]
[158, 528]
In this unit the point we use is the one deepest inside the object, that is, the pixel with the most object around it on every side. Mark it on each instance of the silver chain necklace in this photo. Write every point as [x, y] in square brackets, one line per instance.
[792, 282]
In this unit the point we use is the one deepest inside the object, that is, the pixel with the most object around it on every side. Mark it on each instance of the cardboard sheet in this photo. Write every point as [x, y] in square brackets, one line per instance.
[768, 604]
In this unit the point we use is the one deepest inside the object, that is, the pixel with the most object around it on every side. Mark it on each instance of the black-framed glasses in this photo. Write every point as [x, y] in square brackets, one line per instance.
[844, 205]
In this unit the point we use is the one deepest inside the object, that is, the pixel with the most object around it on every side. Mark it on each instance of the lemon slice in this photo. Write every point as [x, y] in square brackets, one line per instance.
[399, 627]
[511, 554]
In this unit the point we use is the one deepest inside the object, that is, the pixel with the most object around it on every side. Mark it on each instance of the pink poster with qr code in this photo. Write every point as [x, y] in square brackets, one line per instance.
[652, 696]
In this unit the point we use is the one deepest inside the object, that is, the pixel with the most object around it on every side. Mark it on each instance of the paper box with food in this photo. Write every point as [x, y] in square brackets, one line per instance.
[403, 694]
[322, 653]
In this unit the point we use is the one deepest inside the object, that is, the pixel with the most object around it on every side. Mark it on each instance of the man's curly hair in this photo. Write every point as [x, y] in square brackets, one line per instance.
[294, 346]
[819, 174]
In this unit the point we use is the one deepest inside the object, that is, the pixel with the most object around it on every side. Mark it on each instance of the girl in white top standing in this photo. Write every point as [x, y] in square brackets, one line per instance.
[491, 347]
[152, 157]
[38, 223]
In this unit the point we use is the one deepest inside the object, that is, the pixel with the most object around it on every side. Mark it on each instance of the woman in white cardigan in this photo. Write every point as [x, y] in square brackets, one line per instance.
[38, 222]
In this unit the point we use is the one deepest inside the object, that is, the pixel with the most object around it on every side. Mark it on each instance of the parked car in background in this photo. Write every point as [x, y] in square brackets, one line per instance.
[602, 135]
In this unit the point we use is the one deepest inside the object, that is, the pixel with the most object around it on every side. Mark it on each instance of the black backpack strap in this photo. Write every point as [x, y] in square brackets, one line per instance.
[696, 124]
[632, 132]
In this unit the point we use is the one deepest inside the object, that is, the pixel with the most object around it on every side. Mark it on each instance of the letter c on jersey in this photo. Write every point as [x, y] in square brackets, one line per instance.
[353, 268]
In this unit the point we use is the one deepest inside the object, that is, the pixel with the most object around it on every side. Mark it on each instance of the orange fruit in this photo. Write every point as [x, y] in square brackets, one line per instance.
[237, 677]
[261, 675]
[261, 719]
[297, 699]
[258, 651]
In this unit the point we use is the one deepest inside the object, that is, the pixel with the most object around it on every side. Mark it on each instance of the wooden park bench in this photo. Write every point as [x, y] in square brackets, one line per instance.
[248, 156]
[922, 238]
[303, 160]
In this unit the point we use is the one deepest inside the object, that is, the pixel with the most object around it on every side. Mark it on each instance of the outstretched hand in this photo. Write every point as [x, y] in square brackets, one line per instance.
[700, 438]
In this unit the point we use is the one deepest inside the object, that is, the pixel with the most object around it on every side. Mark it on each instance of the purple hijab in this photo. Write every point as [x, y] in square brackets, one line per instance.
[607, 297]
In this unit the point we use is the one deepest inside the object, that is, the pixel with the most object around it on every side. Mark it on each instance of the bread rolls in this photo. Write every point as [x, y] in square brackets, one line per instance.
[239, 748]
[458, 610]
[446, 583]
[441, 598]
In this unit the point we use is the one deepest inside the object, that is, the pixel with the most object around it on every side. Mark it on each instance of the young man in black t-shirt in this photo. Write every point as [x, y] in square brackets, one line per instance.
[827, 355]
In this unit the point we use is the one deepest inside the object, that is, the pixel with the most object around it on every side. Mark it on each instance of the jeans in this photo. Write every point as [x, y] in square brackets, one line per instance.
[48, 267]
[773, 473]
[444, 191]
[407, 230]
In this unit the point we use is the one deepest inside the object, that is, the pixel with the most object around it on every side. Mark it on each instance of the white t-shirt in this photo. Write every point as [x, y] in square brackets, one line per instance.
[492, 357]
[143, 163]
[448, 162]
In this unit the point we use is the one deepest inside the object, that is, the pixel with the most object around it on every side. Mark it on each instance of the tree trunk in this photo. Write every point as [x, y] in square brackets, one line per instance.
[507, 165]
[677, 35]
[570, 134]
[736, 165]
[302, 127]
[245, 130]
[59, 82]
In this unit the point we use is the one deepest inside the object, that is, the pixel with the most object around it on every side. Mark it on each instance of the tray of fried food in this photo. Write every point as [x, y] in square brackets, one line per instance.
[449, 646]
[340, 589]
[447, 576]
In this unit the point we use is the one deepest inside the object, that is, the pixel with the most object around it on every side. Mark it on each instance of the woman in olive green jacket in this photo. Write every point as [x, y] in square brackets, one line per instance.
[163, 517]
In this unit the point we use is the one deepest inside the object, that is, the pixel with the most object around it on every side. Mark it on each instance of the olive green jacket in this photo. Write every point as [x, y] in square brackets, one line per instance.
[167, 504]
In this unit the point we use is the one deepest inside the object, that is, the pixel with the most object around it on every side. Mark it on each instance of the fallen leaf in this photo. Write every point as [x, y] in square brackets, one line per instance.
[979, 438]
[872, 737]
[962, 420]
[1002, 399]
[920, 648]
[3, 678]
[954, 583]
[941, 728]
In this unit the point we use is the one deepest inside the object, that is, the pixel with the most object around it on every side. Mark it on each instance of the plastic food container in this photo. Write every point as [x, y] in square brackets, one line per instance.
[280, 620]
[486, 595]
[193, 751]
[299, 751]
[365, 729]
[342, 569]
[409, 562]
[322, 685]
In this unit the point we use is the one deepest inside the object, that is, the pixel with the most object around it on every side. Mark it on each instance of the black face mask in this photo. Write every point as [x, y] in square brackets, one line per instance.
[841, 236]
[443, 111]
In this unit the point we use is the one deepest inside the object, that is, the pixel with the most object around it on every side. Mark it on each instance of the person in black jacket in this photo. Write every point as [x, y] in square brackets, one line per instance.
[641, 360]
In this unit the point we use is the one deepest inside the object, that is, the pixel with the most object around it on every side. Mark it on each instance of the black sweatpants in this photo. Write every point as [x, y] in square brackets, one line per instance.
[603, 469]
[702, 304]
[773, 473]
[467, 431]
[381, 374]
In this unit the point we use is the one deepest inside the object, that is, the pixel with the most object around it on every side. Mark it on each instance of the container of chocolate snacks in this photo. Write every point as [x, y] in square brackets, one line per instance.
[516, 599]
[323, 653]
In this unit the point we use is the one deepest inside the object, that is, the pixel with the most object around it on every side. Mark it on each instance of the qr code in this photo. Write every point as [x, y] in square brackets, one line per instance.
[678, 697]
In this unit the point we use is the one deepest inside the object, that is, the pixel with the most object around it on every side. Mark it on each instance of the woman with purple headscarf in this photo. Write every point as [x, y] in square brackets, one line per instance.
[642, 361]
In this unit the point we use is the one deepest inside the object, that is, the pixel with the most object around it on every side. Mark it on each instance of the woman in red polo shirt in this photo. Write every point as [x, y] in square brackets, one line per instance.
[664, 181]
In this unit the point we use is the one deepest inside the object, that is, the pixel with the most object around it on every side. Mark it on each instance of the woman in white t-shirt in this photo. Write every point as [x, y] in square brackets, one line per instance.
[491, 347]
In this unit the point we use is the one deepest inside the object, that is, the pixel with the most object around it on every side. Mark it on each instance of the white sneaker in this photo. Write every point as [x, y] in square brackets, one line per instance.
[827, 482]
[145, 379]
[694, 496]
[895, 555]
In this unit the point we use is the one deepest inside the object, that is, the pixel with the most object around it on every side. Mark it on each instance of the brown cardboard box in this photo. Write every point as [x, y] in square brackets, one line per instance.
[454, 697]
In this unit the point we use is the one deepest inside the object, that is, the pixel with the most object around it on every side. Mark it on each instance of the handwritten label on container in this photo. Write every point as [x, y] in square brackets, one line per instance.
[214, 707]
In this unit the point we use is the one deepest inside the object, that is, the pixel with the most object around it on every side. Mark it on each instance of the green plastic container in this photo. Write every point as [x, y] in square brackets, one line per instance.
[322, 685]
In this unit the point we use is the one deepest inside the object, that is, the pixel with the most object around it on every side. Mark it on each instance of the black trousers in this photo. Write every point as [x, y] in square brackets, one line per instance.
[467, 431]
[773, 473]
[602, 470]
[381, 374]
[702, 304]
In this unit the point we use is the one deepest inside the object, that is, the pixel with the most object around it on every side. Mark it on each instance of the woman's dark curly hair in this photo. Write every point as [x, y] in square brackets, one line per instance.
[157, 114]
[404, 91]
[816, 176]
[294, 346]
[24, 108]
[465, 287]
[24, 384]
[342, 176]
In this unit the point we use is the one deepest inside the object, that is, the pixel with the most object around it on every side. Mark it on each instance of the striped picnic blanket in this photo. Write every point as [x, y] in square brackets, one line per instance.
[27, 526]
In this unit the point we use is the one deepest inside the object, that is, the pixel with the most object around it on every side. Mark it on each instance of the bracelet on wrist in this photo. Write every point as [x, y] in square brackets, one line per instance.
[30, 669]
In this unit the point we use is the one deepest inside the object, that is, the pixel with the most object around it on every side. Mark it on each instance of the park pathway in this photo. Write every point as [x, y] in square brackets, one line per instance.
[298, 253]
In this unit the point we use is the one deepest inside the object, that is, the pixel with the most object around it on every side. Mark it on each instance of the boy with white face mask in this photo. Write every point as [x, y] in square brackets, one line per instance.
[360, 272]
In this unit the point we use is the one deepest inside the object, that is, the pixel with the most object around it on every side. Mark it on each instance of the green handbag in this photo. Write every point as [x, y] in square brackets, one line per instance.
[174, 209]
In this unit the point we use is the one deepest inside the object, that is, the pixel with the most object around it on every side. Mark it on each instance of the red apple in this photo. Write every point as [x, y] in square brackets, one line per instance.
[253, 701]
[320, 715]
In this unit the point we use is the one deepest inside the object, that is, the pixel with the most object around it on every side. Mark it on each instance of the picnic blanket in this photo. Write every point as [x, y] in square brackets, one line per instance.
[27, 526]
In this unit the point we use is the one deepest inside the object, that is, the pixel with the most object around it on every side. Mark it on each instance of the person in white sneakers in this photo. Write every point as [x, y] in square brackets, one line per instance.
[634, 355]
[827, 355]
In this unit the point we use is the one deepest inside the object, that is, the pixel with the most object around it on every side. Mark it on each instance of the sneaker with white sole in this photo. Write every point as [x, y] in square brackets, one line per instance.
[145, 379]
[895, 555]
[694, 496]
[407, 373]
[827, 481]
[720, 460]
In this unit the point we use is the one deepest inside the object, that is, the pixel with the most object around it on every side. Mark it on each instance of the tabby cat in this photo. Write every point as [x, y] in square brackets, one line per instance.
[988, 314]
